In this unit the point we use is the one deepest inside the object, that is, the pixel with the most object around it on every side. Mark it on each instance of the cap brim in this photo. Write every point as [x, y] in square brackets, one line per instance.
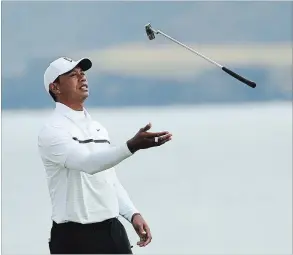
[84, 63]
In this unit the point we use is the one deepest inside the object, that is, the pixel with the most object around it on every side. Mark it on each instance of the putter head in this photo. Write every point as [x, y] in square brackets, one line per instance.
[149, 31]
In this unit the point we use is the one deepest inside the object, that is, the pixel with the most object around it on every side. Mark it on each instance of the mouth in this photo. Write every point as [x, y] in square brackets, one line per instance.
[84, 87]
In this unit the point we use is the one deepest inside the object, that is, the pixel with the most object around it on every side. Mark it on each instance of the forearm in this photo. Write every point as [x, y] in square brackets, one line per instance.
[126, 206]
[98, 161]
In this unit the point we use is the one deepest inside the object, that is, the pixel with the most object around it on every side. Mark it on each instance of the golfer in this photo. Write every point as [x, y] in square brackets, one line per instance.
[79, 160]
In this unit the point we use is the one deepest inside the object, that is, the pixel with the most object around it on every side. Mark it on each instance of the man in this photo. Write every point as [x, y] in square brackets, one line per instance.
[79, 160]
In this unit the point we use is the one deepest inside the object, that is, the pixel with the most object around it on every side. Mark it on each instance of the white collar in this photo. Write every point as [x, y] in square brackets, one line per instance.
[70, 113]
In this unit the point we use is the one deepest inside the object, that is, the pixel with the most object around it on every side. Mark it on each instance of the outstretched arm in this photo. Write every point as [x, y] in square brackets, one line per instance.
[58, 146]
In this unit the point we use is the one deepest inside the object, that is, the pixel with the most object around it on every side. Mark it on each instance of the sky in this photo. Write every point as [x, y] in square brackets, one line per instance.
[112, 34]
[37, 29]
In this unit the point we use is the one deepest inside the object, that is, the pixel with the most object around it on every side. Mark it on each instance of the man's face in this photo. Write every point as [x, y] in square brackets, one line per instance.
[73, 86]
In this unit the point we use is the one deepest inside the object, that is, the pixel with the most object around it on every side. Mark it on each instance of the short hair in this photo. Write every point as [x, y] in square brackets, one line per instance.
[57, 80]
[51, 93]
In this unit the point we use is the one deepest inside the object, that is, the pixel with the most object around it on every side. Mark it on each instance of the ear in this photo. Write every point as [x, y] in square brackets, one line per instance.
[54, 88]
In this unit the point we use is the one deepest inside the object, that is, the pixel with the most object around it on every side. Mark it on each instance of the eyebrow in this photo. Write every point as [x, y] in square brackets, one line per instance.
[73, 70]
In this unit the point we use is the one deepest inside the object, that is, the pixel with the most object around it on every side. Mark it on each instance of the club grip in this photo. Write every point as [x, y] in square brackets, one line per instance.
[240, 78]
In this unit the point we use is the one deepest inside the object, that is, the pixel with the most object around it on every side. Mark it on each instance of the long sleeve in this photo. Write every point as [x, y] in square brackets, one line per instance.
[57, 146]
[126, 206]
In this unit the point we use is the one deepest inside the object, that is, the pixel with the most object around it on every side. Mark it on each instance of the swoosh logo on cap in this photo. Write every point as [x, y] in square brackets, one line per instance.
[68, 59]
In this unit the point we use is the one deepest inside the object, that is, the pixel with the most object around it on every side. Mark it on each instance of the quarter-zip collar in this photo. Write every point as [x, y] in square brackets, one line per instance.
[70, 113]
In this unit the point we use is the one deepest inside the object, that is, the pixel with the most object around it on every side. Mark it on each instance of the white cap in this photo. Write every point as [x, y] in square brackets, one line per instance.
[61, 66]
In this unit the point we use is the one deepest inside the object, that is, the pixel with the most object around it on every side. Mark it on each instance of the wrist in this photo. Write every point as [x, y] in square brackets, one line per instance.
[131, 146]
[133, 215]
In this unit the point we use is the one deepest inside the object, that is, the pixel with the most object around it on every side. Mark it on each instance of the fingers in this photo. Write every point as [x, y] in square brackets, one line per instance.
[142, 236]
[158, 141]
[146, 238]
[146, 128]
[161, 140]
[152, 134]
[156, 134]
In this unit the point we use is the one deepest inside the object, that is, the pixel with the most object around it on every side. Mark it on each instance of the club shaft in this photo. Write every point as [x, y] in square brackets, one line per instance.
[188, 48]
[150, 30]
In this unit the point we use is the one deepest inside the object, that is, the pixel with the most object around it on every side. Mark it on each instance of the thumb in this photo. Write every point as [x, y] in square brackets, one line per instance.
[141, 230]
[146, 128]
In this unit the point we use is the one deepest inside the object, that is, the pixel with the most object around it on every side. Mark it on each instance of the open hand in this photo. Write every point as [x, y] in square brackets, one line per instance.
[144, 139]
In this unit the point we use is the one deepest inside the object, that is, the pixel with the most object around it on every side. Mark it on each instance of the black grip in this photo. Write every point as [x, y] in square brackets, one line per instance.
[240, 78]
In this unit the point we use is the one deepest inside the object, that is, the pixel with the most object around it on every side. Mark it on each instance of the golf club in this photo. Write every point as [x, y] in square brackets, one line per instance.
[151, 35]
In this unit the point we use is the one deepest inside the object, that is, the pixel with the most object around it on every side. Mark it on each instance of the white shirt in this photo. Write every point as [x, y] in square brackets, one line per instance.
[79, 161]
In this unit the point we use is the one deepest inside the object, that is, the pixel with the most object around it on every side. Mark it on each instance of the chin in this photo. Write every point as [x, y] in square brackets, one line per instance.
[84, 96]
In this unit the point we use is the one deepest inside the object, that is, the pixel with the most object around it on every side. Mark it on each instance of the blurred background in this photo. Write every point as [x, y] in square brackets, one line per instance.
[224, 184]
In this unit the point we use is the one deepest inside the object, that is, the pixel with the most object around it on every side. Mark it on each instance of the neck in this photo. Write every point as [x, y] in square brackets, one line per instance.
[74, 106]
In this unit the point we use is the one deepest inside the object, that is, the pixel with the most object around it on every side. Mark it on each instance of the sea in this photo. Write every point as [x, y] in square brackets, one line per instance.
[222, 185]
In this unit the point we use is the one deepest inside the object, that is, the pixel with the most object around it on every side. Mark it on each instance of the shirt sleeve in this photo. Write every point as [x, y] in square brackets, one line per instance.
[126, 206]
[57, 146]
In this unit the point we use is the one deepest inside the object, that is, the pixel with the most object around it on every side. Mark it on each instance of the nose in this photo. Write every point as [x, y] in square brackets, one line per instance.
[82, 77]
